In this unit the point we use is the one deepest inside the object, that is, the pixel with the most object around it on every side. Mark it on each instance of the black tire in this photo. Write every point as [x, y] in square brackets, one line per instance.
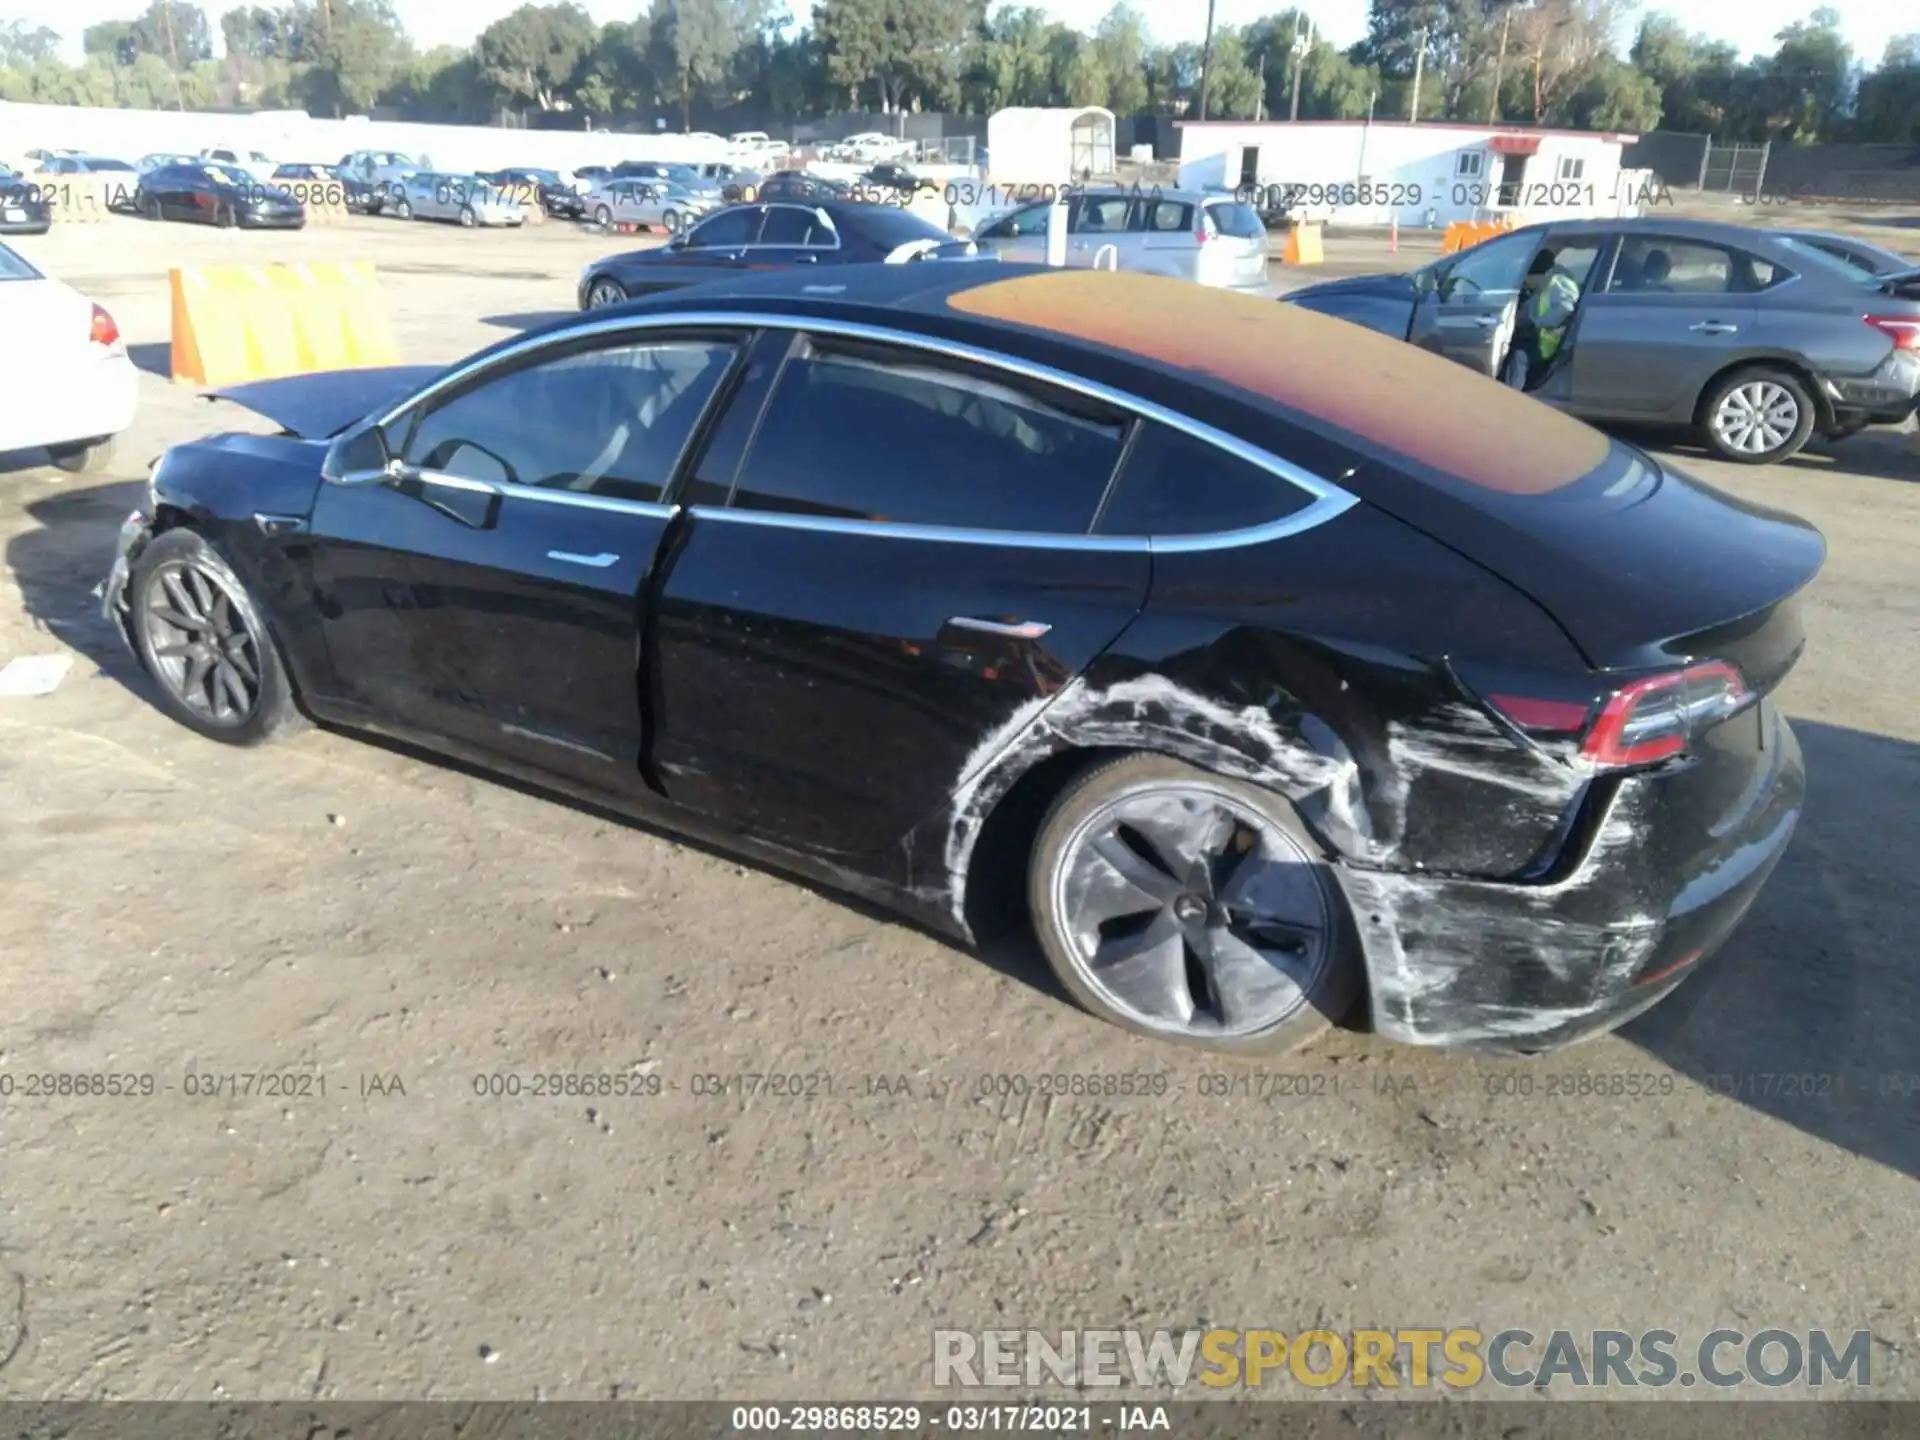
[1747, 407]
[467, 218]
[1332, 977]
[671, 219]
[181, 561]
[89, 457]
[402, 210]
[604, 292]
[152, 210]
[603, 217]
[224, 217]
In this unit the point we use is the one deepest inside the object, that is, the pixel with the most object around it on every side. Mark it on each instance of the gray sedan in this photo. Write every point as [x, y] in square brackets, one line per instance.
[1752, 339]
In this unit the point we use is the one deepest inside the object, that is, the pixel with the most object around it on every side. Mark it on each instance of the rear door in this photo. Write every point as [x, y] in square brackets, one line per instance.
[885, 565]
[794, 235]
[1234, 252]
[492, 594]
[1674, 312]
[1164, 232]
[1470, 316]
[1096, 222]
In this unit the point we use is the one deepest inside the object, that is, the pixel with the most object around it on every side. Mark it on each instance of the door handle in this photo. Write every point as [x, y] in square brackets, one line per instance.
[568, 557]
[1486, 322]
[1017, 629]
[1715, 327]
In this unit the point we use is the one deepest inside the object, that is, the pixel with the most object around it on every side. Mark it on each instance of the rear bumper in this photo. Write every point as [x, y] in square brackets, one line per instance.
[1528, 968]
[258, 221]
[62, 404]
[1888, 395]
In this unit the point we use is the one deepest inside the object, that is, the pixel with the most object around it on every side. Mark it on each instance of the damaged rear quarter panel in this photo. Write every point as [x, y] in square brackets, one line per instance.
[1315, 665]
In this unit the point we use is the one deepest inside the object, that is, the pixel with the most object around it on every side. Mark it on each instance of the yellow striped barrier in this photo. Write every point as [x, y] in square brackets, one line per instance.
[234, 323]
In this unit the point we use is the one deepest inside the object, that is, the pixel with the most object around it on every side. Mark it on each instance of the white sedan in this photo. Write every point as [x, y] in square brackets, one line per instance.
[65, 380]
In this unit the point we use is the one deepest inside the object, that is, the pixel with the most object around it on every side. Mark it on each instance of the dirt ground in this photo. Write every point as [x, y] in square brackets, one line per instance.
[402, 930]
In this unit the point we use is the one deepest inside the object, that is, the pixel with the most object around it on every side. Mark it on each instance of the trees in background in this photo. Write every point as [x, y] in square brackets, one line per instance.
[1543, 62]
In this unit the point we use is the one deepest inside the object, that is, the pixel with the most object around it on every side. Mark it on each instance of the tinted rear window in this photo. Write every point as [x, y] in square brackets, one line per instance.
[1174, 484]
[873, 435]
[1230, 217]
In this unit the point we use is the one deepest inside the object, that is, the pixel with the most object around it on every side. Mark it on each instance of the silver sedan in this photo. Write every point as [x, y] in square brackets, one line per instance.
[646, 202]
[432, 195]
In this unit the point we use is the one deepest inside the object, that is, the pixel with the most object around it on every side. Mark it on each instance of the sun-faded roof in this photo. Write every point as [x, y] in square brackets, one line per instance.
[1421, 406]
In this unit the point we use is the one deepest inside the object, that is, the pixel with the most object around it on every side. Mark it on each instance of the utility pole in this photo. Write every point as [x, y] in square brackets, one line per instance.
[1419, 63]
[173, 54]
[1260, 98]
[1499, 63]
[1206, 60]
[1301, 44]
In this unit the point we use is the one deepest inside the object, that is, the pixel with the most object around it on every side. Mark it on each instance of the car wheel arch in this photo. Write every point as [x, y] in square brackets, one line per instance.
[995, 814]
[1823, 416]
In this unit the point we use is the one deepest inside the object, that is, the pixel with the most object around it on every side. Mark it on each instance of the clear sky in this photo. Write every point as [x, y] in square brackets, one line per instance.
[1749, 24]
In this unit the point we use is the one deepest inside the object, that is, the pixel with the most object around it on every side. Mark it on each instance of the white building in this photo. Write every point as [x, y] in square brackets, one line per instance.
[1369, 172]
[1030, 145]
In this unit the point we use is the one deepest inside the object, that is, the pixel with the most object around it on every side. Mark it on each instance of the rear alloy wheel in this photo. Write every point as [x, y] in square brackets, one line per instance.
[224, 217]
[672, 221]
[152, 209]
[603, 293]
[89, 457]
[201, 638]
[1183, 905]
[468, 218]
[1757, 417]
[402, 210]
[603, 217]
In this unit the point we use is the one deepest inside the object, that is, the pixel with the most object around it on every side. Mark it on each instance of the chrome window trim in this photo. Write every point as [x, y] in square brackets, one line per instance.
[1328, 502]
[578, 499]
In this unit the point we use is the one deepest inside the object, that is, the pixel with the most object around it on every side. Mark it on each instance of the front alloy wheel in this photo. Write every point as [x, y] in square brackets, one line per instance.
[1191, 907]
[201, 638]
[604, 293]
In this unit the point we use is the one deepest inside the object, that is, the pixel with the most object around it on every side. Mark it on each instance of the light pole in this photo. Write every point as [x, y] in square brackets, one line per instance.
[1302, 44]
[1206, 60]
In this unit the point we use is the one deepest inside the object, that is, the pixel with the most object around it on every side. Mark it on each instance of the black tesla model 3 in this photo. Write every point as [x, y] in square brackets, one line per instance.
[1273, 663]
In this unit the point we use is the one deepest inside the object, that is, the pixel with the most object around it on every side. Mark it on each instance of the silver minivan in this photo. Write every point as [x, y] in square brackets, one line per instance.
[1212, 239]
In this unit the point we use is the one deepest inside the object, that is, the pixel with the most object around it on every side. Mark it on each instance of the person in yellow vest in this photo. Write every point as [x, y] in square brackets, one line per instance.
[1548, 299]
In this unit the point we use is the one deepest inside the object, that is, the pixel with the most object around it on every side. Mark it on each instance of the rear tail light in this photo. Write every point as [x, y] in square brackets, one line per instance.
[1904, 330]
[1641, 723]
[104, 332]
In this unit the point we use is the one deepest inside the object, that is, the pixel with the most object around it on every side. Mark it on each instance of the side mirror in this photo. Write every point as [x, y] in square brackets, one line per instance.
[359, 457]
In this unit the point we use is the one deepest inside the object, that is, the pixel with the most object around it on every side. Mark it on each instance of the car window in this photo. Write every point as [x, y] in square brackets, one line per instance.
[890, 228]
[793, 225]
[1032, 220]
[1828, 257]
[1230, 217]
[1664, 265]
[1164, 217]
[13, 267]
[1576, 257]
[1493, 267]
[1102, 214]
[868, 434]
[730, 227]
[607, 421]
[1174, 484]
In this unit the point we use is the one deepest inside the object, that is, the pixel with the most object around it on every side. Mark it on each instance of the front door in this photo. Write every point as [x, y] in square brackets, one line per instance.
[1673, 313]
[724, 240]
[1470, 315]
[1097, 221]
[901, 575]
[491, 591]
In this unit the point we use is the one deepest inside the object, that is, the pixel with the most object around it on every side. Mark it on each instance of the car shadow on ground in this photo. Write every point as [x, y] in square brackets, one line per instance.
[1892, 222]
[1808, 1014]
[153, 356]
[1810, 1010]
[531, 320]
[1881, 453]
